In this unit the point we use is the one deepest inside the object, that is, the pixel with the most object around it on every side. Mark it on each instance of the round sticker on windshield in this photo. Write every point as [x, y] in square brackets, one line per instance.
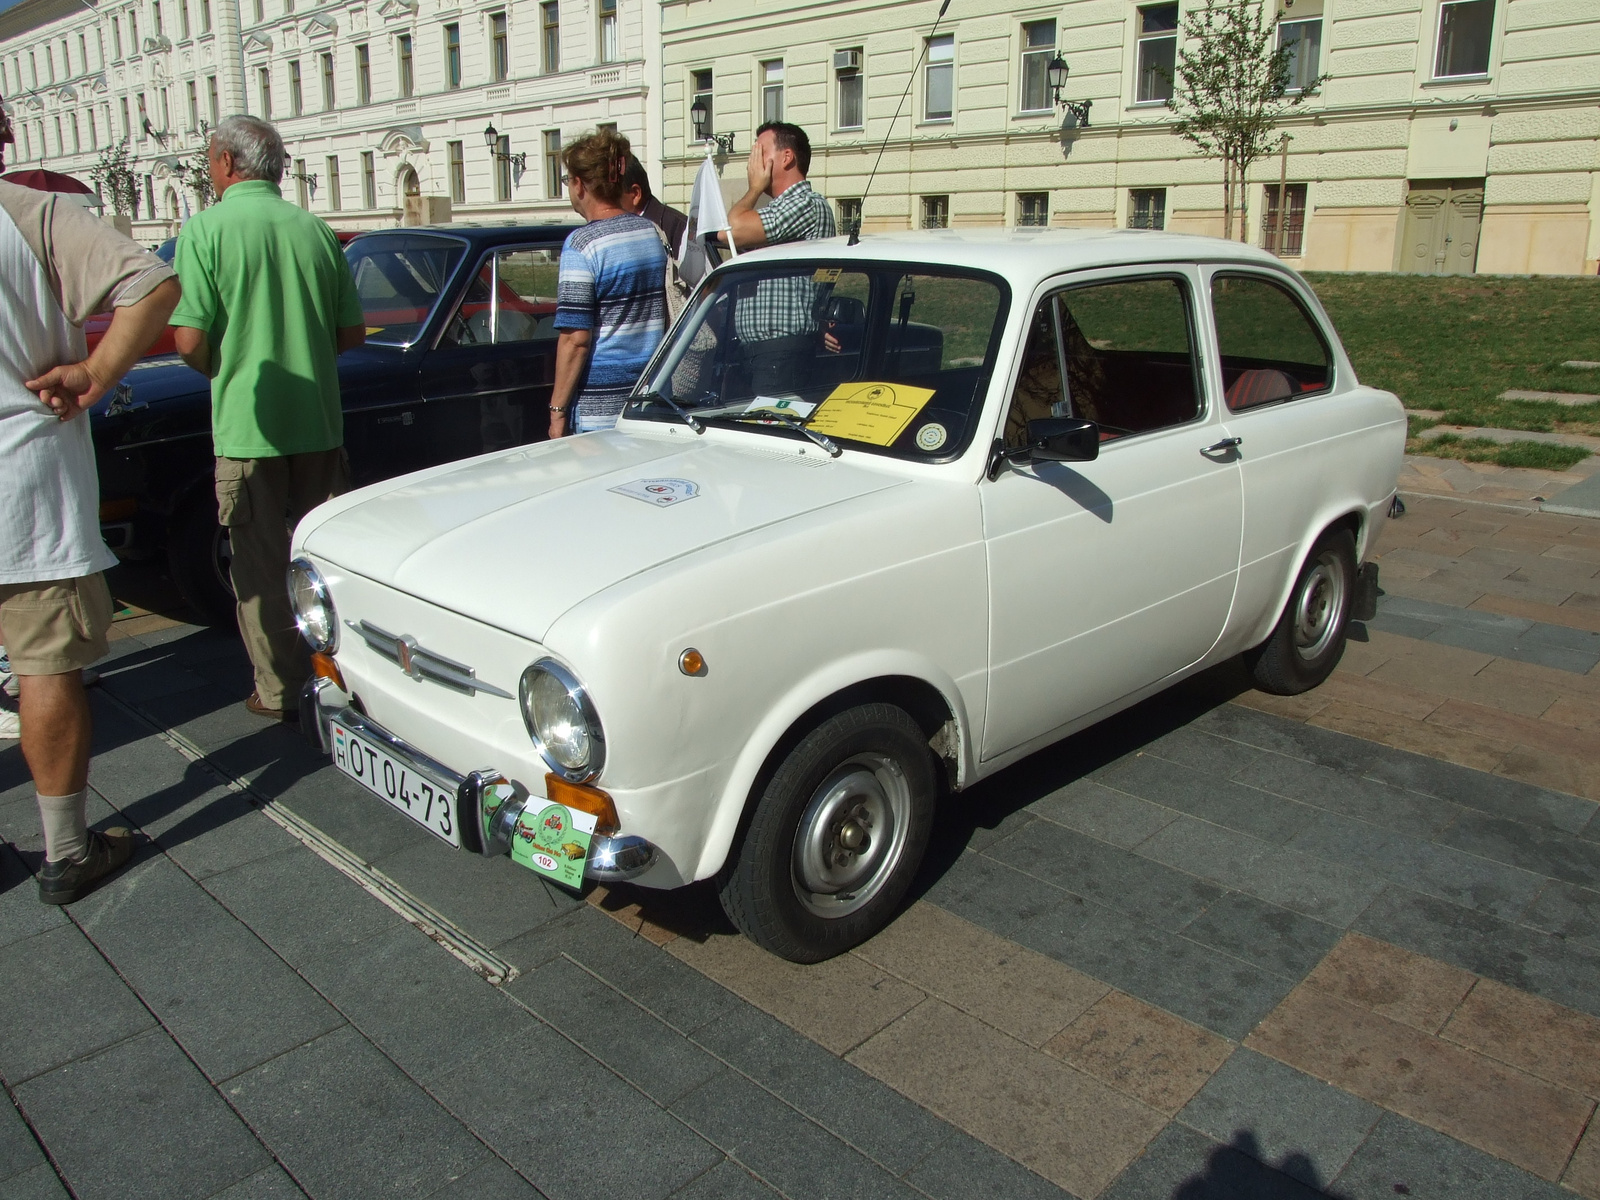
[931, 436]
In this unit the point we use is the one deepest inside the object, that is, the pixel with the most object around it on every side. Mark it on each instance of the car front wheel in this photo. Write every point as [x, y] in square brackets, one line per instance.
[1309, 638]
[835, 837]
[198, 554]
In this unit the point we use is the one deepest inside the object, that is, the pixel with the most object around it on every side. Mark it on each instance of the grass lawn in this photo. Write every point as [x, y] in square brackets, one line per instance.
[1454, 343]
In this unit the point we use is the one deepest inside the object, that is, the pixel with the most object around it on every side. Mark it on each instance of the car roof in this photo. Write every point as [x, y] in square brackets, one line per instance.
[1026, 256]
[484, 233]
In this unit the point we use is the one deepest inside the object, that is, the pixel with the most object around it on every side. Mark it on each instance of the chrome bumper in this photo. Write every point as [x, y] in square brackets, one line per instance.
[611, 859]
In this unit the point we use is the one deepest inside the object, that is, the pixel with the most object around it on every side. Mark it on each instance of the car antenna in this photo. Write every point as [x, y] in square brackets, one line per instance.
[927, 42]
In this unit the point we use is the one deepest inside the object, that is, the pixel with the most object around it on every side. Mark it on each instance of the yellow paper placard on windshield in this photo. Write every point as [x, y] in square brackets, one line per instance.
[875, 413]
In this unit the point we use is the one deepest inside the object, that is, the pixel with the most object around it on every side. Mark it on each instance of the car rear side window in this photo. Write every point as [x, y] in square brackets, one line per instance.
[1127, 354]
[513, 299]
[399, 278]
[1269, 347]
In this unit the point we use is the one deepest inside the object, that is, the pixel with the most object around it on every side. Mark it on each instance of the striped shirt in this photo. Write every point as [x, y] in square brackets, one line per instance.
[612, 283]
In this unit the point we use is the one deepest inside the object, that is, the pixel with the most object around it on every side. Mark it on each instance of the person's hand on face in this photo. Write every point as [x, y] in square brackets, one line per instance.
[759, 167]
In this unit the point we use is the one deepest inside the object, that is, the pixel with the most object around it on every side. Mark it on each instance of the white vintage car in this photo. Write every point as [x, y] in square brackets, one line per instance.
[879, 520]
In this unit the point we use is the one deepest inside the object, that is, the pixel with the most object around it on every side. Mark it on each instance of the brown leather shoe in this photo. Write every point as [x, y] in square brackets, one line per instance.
[272, 714]
[64, 881]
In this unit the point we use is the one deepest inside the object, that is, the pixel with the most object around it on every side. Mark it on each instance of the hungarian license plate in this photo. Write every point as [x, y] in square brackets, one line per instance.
[426, 801]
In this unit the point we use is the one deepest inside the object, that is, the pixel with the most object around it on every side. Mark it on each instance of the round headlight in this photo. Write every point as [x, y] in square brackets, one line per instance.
[314, 614]
[562, 721]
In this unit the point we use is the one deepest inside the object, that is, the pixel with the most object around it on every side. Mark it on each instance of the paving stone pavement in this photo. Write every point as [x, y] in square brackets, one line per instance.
[1219, 946]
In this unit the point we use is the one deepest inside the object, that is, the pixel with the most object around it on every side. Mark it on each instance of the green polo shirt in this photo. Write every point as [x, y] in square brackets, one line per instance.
[269, 284]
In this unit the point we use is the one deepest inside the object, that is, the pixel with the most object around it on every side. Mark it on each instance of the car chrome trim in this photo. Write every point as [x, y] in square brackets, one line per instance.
[419, 663]
[614, 859]
[597, 734]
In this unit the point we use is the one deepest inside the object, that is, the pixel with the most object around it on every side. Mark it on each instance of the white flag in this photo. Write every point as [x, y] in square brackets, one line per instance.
[707, 214]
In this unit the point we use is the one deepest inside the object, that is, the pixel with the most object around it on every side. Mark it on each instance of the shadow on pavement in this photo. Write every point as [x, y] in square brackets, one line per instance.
[1236, 1172]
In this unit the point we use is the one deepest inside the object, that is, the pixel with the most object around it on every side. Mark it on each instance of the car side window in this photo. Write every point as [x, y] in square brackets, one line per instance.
[1038, 394]
[512, 299]
[1268, 345]
[1128, 355]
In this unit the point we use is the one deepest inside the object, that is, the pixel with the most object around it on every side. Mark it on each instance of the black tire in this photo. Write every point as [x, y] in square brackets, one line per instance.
[197, 555]
[1309, 638]
[866, 771]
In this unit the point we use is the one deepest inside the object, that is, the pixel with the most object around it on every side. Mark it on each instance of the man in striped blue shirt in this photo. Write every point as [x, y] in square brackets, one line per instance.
[611, 306]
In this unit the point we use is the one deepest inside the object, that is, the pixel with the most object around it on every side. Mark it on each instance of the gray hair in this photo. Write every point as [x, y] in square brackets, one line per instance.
[257, 149]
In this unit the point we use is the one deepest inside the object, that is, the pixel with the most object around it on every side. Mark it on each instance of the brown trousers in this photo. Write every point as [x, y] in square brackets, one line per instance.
[260, 500]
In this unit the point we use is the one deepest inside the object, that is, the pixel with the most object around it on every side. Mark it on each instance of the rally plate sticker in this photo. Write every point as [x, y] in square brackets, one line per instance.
[553, 840]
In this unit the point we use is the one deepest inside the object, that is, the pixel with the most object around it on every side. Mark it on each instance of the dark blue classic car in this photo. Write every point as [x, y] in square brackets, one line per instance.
[459, 360]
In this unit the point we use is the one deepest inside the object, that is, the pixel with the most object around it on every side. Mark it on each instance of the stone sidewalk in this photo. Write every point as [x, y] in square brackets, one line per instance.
[1223, 945]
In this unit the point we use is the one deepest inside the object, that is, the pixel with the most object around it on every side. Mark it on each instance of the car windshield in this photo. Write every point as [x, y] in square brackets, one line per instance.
[399, 278]
[884, 357]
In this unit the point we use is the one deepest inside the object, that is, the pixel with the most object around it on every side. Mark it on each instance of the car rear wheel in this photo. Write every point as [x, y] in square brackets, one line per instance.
[1309, 638]
[198, 554]
[835, 837]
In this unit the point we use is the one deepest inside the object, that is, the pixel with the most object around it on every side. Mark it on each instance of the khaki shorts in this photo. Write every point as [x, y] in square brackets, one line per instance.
[56, 627]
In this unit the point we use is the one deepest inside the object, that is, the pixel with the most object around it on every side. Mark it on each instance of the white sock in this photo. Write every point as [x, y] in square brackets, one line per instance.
[66, 828]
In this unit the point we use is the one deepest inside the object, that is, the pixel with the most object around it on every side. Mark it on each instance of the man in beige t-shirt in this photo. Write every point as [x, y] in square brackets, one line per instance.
[58, 266]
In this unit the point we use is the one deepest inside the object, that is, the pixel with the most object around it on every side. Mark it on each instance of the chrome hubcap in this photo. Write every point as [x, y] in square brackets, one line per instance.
[1317, 607]
[851, 835]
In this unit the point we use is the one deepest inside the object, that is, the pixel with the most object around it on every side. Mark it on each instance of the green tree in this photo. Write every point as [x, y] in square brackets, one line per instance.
[113, 176]
[197, 171]
[1232, 90]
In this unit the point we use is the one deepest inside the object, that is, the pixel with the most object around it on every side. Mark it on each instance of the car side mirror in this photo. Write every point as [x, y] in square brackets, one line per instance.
[1063, 439]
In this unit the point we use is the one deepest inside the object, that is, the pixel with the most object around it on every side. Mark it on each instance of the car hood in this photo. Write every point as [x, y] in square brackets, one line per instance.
[517, 538]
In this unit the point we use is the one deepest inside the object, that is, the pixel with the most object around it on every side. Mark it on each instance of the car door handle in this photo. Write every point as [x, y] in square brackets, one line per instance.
[1225, 444]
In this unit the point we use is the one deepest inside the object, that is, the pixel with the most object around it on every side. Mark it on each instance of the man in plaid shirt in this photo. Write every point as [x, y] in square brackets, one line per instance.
[776, 320]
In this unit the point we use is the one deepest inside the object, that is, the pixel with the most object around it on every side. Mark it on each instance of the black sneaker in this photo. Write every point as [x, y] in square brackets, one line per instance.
[67, 880]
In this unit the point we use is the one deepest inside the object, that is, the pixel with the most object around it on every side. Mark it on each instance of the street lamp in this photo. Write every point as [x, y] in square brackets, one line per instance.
[1056, 76]
[700, 118]
[491, 139]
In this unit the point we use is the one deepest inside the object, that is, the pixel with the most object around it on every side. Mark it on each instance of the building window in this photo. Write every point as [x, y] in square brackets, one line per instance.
[1147, 208]
[335, 196]
[205, 17]
[550, 35]
[1303, 41]
[452, 56]
[552, 164]
[847, 67]
[327, 82]
[288, 7]
[1158, 53]
[939, 86]
[264, 87]
[704, 96]
[261, 12]
[408, 78]
[458, 173]
[193, 91]
[302, 194]
[296, 97]
[849, 214]
[1038, 48]
[772, 90]
[116, 46]
[211, 97]
[127, 126]
[1033, 208]
[936, 212]
[502, 168]
[166, 110]
[369, 181]
[610, 51]
[183, 20]
[77, 140]
[1464, 29]
[1286, 238]
[83, 52]
[155, 16]
[150, 197]
[133, 32]
[94, 133]
[499, 47]
[363, 75]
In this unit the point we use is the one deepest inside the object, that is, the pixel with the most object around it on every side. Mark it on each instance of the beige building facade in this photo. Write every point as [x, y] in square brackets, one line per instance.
[384, 105]
[1450, 136]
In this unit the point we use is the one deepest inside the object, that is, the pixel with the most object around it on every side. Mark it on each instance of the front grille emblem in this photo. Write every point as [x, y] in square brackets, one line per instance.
[420, 663]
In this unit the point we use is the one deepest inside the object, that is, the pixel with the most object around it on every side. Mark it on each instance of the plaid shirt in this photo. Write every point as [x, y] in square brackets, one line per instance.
[783, 307]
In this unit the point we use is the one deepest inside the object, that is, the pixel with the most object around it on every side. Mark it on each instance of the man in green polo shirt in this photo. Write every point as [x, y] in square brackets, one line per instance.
[268, 305]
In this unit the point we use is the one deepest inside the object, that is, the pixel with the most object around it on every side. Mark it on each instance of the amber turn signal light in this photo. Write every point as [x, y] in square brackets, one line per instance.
[692, 662]
[323, 667]
[584, 799]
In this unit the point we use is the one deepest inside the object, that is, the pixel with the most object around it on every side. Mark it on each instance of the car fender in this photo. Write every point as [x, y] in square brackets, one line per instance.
[780, 719]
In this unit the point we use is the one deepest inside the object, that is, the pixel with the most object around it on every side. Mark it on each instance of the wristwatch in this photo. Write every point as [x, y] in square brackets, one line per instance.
[560, 412]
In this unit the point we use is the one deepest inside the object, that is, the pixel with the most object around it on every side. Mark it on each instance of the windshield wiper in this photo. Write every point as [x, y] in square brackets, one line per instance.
[788, 421]
[689, 418]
